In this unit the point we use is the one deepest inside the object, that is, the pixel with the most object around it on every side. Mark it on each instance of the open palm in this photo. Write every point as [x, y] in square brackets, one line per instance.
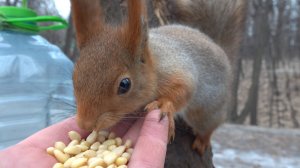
[148, 135]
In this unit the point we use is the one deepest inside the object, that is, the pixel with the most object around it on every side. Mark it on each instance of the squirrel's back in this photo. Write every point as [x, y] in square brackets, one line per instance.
[184, 53]
[203, 58]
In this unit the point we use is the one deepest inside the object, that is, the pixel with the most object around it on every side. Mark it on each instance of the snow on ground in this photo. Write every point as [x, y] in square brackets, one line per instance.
[254, 147]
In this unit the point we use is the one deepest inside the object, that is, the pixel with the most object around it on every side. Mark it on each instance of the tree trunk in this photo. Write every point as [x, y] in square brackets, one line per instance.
[261, 35]
[233, 107]
[252, 101]
[180, 153]
[254, 91]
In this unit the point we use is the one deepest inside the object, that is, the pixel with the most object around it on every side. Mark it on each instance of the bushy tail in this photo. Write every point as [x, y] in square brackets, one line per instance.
[222, 20]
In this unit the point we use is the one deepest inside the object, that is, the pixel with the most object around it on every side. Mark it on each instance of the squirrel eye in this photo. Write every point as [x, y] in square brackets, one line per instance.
[124, 86]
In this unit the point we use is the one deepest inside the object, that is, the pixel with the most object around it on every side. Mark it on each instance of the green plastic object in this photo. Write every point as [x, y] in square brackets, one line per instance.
[23, 19]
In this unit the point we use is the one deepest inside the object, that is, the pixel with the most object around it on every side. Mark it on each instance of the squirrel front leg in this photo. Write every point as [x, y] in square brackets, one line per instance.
[167, 109]
[173, 95]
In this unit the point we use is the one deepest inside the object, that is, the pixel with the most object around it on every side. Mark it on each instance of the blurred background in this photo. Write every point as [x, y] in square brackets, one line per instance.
[267, 87]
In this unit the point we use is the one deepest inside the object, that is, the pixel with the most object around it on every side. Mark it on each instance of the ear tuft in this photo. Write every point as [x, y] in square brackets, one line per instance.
[137, 27]
[144, 32]
[87, 19]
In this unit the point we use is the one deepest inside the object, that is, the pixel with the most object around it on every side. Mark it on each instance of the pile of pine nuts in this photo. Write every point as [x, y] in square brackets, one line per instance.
[99, 150]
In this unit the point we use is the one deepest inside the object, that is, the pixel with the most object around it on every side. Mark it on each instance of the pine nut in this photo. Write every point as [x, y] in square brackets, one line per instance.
[119, 150]
[80, 155]
[104, 133]
[95, 146]
[111, 135]
[60, 145]
[112, 147]
[60, 156]
[128, 143]
[126, 155]
[91, 160]
[85, 143]
[112, 166]
[69, 162]
[83, 147]
[50, 151]
[73, 135]
[100, 151]
[105, 152]
[79, 162]
[101, 138]
[110, 158]
[92, 137]
[122, 166]
[83, 167]
[109, 142]
[58, 165]
[73, 150]
[96, 162]
[73, 143]
[130, 150]
[121, 161]
[89, 154]
[100, 155]
[118, 141]
[99, 167]
[103, 147]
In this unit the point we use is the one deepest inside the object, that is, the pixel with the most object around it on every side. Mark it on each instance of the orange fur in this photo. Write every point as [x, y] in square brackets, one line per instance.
[84, 18]
[173, 95]
[136, 32]
[202, 142]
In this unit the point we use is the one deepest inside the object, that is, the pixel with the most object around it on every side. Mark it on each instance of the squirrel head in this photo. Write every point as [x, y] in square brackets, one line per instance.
[114, 75]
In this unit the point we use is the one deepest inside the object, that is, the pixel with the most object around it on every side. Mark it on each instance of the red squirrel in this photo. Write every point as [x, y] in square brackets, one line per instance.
[175, 68]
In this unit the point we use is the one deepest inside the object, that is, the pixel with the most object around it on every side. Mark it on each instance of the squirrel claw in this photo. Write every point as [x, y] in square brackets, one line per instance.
[162, 115]
[171, 134]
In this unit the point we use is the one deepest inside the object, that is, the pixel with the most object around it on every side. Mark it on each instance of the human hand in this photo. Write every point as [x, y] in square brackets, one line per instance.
[148, 135]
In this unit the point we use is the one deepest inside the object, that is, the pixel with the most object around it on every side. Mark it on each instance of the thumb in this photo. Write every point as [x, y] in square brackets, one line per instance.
[151, 146]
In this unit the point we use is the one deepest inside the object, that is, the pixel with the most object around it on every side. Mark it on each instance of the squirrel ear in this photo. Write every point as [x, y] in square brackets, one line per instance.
[86, 19]
[137, 28]
[144, 32]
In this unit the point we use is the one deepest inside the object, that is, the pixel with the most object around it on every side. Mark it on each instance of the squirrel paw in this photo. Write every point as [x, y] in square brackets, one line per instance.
[152, 106]
[167, 109]
[201, 144]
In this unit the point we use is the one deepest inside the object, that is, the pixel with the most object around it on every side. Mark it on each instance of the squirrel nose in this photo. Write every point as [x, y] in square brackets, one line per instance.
[84, 124]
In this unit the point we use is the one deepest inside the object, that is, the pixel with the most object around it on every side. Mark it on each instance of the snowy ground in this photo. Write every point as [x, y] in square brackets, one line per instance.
[254, 147]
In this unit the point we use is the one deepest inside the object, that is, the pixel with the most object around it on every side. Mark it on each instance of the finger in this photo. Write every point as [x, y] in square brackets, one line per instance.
[151, 146]
[134, 131]
[122, 127]
[57, 132]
